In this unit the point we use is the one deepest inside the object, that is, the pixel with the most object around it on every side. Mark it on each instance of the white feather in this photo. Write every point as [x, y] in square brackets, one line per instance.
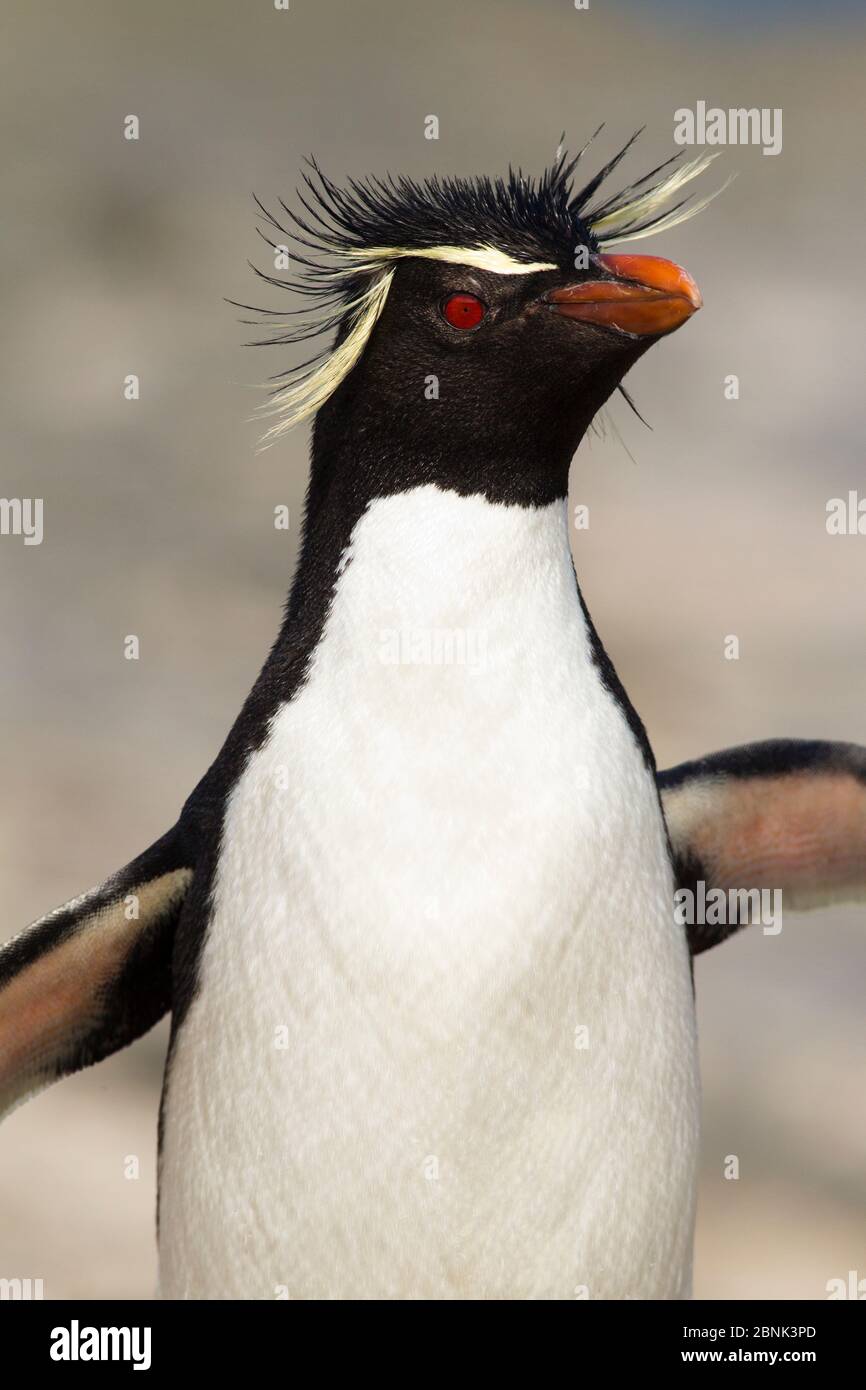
[480, 257]
[613, 228]
[434, 874]
[304, 397]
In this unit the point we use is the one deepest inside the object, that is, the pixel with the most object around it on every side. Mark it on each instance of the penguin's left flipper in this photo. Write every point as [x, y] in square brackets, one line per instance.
[93, 975]
[787, 814]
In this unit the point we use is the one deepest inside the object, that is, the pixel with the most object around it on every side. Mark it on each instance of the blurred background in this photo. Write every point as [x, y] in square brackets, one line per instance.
[159, 513]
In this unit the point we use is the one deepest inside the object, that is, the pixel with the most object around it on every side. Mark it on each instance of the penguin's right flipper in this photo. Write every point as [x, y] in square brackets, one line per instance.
[93, 975]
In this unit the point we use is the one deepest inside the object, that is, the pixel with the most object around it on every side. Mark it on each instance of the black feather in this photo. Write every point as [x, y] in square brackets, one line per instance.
[528, 218]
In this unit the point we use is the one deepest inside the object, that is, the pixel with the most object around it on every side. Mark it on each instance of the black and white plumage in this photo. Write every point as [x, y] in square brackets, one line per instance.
[432, 1015]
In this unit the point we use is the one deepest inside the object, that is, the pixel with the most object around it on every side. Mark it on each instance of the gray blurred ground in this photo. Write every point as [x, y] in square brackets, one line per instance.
[158, 514]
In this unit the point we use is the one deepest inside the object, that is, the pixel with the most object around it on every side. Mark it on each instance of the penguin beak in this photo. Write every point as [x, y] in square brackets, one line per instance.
[646, 296]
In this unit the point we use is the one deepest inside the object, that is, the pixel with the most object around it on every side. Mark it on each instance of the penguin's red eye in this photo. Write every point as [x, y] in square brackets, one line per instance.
[463, 310]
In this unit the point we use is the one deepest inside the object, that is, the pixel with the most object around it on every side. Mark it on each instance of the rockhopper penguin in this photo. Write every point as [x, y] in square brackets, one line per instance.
[433, 1032]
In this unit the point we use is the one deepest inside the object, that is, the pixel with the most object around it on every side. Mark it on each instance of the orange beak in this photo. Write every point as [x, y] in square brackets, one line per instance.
[648, 297]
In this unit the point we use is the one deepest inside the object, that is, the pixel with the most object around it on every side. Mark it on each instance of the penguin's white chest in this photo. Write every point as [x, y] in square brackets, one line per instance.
[444, 1041]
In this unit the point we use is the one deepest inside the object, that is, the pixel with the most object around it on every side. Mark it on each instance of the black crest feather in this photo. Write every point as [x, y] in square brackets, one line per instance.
[343, 243]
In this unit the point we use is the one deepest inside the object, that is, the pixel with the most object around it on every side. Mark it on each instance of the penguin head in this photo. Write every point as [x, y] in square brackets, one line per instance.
[468, 357]
[473, 314]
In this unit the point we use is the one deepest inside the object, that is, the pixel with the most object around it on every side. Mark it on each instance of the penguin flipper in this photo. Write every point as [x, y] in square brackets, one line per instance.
[786, 814]
[93, 975]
